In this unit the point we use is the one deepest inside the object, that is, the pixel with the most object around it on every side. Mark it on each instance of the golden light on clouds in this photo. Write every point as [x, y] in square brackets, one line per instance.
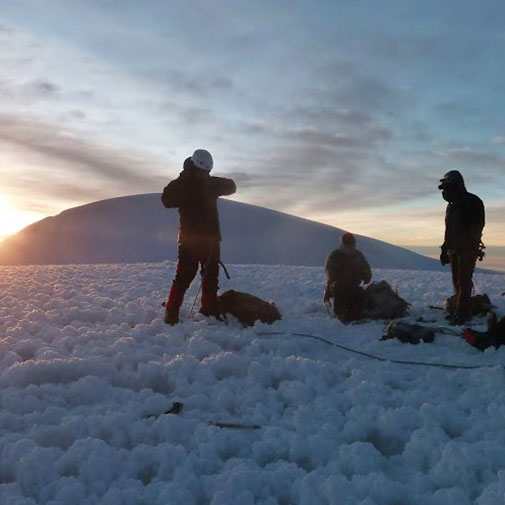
[399, 226]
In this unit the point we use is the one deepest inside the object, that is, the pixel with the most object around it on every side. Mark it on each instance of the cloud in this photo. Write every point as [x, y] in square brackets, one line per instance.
[496, 213]
[495, 224]
[77, 114]
[488, 161]
[68, 168]
[457, 111]
[339, 140]
[499, 139]
[329, 114]
[191, 114]
[432, 49]
[86, 157]
[349, 83]
[315, 158]
[43, 87]
[23, 93]
[193, 82]
[315, 178]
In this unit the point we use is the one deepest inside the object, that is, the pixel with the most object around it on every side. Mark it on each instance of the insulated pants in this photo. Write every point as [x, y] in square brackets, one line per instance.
[202, 253]
[462, 267]
[348, 302]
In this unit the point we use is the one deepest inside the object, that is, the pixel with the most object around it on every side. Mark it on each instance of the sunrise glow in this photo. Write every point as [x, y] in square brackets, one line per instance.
[12, 219]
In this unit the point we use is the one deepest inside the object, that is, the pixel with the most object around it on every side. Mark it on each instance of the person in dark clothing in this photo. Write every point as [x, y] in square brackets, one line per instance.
[346, 268]
[194, 193]
[464, 222]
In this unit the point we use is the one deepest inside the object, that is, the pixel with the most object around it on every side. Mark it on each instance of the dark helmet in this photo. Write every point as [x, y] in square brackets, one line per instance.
[452, 179]
[348, 239]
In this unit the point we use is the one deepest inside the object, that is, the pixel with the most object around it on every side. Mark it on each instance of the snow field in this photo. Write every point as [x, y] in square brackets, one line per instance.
[87, 368]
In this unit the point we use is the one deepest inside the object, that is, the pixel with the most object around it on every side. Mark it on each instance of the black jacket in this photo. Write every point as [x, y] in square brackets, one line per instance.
[464, 222]
[196, 200]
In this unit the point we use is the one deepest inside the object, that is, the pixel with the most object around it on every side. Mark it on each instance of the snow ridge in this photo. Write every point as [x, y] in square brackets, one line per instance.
[138, 229]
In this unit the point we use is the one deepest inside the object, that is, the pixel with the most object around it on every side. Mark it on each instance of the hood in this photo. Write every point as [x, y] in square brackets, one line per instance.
[454, 178]
[347, 249]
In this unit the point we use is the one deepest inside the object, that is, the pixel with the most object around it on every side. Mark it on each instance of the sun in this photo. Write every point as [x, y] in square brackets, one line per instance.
[12, 219]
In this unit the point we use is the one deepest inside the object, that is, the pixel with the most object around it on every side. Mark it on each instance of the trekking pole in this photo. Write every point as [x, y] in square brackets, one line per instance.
[194, 299]
[225, 270]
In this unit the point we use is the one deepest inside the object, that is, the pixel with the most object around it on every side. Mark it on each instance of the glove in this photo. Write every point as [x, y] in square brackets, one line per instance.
[444, 257]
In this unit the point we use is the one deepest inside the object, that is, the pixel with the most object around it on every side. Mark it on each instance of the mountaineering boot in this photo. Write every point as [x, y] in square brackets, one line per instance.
[172, 316]
[173, 304]
[210, 305]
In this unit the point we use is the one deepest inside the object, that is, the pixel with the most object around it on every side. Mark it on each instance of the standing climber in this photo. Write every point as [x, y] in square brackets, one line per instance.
[464, 222]
[194, 193]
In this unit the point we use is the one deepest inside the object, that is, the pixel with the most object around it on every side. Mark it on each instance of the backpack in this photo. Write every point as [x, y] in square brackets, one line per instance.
[383, 302]
[247, 308]
[408, 333]
[481, 305]
[494, 336]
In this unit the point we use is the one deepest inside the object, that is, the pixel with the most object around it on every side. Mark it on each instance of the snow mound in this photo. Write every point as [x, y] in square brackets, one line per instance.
[139, 229]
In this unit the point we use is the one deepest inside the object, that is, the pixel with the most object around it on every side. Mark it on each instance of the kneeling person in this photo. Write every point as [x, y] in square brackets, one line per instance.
[346, 268]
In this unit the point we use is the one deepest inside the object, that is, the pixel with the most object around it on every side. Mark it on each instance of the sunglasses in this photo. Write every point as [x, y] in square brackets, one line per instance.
[444, 184]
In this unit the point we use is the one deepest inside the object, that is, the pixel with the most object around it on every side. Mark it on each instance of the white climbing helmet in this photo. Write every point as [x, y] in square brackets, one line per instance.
[202, 159]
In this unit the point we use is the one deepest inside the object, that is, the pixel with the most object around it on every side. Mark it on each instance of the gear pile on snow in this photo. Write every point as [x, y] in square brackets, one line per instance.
[383, 302]
[481, 305]
[247, 308]
[494, 336]
[408, 333]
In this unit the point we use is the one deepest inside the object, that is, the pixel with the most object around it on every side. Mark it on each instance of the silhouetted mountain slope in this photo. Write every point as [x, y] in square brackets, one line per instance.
[139, 229]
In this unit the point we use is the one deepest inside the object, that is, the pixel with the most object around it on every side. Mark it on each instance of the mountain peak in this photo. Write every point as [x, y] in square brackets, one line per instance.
[138, 228]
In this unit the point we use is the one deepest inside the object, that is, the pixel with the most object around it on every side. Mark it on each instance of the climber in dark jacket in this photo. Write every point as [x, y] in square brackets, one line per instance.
[464, 222]
[194, 193]
[346, 268]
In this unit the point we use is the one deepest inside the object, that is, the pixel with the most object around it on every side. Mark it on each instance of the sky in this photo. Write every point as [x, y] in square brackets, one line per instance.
[345, 112]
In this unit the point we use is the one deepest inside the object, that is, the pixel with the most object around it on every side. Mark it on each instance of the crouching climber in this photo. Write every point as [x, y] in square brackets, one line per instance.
[346, 268]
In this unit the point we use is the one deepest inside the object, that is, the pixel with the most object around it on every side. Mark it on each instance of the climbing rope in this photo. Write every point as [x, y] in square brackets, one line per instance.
[378, 358]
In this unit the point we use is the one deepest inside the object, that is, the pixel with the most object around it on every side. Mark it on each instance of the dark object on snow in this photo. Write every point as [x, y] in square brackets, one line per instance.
[494, 336]
[175, 409]
[346, 268]
[480, 305]
[464, 221]
[408, 333]
[383, 302]
[247, 308]
[235, 426]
